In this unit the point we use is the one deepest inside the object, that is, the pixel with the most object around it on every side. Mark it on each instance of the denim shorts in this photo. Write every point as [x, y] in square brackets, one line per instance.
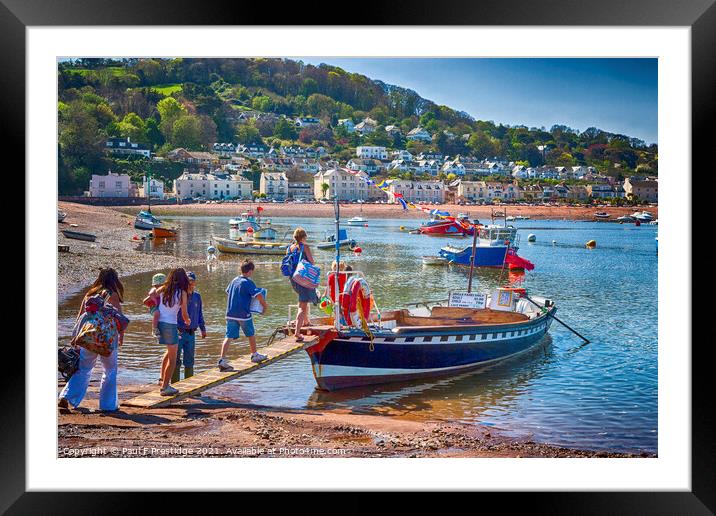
[234, 328]
[168, 333]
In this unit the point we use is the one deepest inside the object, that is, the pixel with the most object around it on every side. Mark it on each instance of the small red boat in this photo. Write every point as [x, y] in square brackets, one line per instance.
[446, 228]
[160, 232]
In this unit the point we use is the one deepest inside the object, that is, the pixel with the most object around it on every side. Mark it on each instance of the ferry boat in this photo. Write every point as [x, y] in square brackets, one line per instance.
[427, 341]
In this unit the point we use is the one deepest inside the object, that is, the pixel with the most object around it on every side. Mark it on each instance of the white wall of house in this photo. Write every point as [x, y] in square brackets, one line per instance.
[111, 185]
[209, 186]
[371, 152]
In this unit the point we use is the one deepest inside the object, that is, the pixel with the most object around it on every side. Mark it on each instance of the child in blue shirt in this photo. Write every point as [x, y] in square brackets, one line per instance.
[240, 292]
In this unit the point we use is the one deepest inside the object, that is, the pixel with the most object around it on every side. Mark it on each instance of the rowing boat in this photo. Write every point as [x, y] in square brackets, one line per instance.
[76, 235]
[161, 232]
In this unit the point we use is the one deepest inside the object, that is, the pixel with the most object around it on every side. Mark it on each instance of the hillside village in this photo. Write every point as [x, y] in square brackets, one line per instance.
[238, 129]
[297, 173]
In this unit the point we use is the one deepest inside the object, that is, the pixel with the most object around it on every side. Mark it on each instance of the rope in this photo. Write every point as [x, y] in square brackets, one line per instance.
[364, 325]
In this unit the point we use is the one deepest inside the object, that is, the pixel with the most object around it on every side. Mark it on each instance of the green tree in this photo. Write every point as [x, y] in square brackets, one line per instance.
[285, 129]
[187, 132]
[324, 189]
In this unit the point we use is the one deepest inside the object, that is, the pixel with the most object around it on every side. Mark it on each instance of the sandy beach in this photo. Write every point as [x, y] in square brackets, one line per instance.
[387, 211]
[115, 246]
[213, 426]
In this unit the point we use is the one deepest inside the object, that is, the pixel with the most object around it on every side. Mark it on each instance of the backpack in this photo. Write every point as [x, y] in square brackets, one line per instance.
[98, 328]
[290, 261]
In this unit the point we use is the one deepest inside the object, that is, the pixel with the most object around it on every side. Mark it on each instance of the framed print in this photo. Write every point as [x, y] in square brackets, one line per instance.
[421, 195]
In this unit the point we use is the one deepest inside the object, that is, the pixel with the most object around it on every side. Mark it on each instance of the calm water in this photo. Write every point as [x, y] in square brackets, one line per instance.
[599, 396]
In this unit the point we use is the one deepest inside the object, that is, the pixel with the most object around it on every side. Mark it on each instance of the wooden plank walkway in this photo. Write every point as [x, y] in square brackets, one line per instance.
[213, 377]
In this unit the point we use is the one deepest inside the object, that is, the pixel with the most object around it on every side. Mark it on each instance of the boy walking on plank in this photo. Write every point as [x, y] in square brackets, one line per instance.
[240, 292]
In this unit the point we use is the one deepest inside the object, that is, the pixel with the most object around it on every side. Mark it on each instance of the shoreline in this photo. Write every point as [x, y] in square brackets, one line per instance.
[216, 427]
[386, 211]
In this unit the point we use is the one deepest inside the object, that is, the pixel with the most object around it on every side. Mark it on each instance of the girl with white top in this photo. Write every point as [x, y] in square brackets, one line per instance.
[172, 299]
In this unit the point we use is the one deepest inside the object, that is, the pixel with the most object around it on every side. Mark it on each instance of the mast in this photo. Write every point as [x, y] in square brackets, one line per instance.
[337, 305]
[472, 259]
[147, 182]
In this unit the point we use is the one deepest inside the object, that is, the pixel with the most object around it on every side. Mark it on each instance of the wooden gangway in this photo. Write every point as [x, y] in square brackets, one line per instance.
[213, 377]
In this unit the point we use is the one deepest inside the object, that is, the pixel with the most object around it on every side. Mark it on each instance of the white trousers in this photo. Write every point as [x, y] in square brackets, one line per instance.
[76, 388]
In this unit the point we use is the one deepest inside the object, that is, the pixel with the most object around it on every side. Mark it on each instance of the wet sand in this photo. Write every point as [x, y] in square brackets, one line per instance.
[388, 211]
[215, 427]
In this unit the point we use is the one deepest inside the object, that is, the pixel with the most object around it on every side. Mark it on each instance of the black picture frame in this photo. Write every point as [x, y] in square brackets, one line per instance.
[699, 15]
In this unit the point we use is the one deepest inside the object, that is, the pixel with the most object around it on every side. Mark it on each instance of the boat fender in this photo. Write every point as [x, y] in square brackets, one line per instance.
[591, 244]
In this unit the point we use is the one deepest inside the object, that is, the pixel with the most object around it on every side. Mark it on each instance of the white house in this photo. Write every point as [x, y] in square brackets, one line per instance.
[419, 134]
[274, 185]
[419, 191]
[344, 185]
[111, 185]
[371, 152]
[156, 188]
[368, 125]
[348, 124]
[211, 186]
[308, 121]
[126, 146]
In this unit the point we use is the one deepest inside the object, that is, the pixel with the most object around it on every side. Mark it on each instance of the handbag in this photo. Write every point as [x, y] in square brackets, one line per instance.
[97, 332]
[307, 275]
[68, 361]
[290, 262]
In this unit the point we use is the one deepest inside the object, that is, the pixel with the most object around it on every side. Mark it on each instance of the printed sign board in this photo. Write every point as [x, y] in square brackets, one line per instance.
[465, 300]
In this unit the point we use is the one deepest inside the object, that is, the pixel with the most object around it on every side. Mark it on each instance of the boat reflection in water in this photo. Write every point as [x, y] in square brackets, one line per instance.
[462, 397]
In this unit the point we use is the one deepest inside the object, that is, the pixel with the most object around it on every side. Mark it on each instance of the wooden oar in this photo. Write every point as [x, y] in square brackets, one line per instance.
[586, 341]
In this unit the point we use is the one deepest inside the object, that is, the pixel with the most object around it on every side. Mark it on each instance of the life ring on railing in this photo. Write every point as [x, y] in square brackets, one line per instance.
[356, 299]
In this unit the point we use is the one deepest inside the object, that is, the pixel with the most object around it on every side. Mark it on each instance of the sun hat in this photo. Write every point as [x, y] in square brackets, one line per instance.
[158, 279]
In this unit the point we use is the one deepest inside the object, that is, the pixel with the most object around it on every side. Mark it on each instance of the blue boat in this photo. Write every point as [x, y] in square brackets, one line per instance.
[429, 341]
[491, 250]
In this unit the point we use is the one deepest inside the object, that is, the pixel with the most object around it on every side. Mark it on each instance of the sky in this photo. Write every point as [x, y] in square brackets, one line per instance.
[618, 95]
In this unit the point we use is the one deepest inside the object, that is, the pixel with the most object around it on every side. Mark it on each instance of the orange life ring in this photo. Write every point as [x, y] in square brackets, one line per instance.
[355, 294]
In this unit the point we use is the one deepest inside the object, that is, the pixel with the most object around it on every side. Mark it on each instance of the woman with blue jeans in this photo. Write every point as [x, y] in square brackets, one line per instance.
[172, 300]
[108, 285]
[187, 338]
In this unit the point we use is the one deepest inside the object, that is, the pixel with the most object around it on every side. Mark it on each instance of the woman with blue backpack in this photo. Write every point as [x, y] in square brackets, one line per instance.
[298, 265]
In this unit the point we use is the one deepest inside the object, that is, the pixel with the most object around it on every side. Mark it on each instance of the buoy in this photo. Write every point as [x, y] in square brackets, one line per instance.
[402, 228]
[211, 249]
[250, 230]
[357, 250]
[531, 237]
[591, 244]
[554, 242]
[135, 237]
[129, 223]
[365, 225]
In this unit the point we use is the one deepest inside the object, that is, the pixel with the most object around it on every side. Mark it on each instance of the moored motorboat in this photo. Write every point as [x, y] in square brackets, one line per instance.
[356, 221]
[228, 245]
[625, 218]
[601, 215]
[145, 220]
[642, 216]
[246, 221]
[329, 241]
[77, 235]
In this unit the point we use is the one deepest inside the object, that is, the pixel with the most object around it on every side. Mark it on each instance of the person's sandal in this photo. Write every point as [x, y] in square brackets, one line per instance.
[64, 406]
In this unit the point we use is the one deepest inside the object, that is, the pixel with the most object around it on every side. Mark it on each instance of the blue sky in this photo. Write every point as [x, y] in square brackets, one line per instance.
[614, 94]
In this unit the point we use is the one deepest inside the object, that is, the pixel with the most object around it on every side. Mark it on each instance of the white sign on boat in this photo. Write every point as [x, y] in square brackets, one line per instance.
[465, 300]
